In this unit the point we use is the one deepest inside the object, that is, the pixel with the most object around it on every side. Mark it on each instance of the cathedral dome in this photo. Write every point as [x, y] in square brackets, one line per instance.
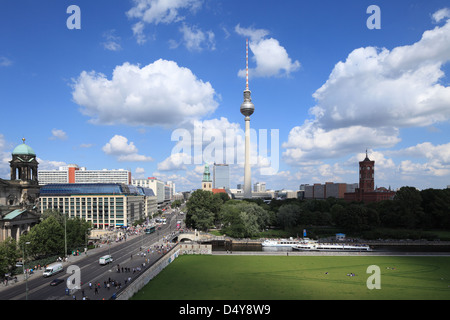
[24, 149]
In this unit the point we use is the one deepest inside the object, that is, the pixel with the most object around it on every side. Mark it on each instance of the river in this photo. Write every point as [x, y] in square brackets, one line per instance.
[220, 246]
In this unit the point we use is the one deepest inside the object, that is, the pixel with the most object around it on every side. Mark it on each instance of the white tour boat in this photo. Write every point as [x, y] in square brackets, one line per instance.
[312, 245]
[280, 242]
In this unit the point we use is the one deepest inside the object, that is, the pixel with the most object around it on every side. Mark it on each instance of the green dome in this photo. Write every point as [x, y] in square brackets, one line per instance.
[24, 149]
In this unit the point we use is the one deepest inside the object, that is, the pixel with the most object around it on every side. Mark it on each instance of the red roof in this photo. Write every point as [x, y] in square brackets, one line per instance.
[218, 191]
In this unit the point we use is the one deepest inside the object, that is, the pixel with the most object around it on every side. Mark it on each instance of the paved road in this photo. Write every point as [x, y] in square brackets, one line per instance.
[129, 255]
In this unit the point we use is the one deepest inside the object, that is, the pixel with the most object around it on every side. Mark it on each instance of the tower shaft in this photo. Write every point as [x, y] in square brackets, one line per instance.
[247, 109]
[247, 168]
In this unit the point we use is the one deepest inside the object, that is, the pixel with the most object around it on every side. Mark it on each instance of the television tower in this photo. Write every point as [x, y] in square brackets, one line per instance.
[247, 109]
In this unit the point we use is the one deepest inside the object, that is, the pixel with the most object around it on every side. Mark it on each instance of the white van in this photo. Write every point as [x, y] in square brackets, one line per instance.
[52, 269]
[105, 259]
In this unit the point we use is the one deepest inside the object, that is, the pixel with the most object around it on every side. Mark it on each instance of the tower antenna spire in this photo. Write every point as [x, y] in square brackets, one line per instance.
[246, 66]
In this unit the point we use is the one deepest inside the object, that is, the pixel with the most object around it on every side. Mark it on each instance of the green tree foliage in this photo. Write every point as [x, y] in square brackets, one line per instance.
[436, 205]
[410, 209]
[288, 215]
[176, 204]
[9, 254]
[203, 210]
[242, 219]
[409, 206]
[47, 237]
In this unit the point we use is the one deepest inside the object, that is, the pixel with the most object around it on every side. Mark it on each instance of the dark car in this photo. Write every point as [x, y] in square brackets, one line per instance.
[55, 282]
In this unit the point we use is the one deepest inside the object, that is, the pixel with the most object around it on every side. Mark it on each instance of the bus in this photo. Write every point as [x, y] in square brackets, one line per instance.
[150, 230]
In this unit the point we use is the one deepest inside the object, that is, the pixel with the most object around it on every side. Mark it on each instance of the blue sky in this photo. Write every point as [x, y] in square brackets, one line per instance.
[142, 75]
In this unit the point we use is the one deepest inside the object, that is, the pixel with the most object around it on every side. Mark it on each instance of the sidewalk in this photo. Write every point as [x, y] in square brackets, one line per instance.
[70, 261]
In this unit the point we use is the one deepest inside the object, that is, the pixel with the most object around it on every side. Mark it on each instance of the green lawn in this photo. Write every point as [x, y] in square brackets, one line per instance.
[202, 277]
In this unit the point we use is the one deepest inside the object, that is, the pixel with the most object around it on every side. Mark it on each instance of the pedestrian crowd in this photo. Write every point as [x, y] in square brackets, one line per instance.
[129, 273]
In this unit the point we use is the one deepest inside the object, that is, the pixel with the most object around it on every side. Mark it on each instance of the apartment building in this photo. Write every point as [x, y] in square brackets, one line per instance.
[74, 174]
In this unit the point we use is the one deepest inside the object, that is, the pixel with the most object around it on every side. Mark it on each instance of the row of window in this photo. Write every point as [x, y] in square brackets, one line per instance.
[98, 210]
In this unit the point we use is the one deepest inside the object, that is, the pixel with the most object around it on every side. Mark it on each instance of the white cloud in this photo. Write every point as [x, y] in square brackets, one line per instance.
[197, 40]
[400, 88]
[5, 62]
[5, 157]
[138, 32]
[162, 11]
[139, 173]
[311, 142]
[380, 160]
[50, 164]
[58, 134]
[112, 42]
[175, 161]
[255, 35]
[208, 141]
[372, 95]
[159, 11]
[161, 93]
[427, 150]
[413, 169]
[118, 146]
[139, 170]
[221, 141]
[439, 15]
[436, 159]
[271, 58]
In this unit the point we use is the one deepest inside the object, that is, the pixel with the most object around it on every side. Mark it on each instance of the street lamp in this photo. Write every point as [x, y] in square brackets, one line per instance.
[23, 268]
[65, 236]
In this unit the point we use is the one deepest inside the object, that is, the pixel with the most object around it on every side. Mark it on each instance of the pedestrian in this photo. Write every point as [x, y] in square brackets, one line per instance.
[90, 285]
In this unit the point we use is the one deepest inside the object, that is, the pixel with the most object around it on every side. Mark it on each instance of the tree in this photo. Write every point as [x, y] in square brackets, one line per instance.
[176, 204]
[201, 219]
[203, 210]
[288, 216]
[46, 238]
[352, 218]
[436, 204]
[242, 219]
[409, 206]
[77, 230]
[9, 254]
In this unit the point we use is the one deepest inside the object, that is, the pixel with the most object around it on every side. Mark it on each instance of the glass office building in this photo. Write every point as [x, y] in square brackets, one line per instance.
[221, 176]
[105, 205]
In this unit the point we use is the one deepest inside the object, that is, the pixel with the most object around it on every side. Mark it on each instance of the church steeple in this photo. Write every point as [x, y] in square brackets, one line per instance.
[206, 181]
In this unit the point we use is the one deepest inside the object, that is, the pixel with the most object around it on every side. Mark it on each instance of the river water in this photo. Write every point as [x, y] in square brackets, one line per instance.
[400, 248]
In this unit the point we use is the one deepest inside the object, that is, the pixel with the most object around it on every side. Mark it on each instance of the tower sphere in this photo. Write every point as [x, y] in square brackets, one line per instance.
[247, 107]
